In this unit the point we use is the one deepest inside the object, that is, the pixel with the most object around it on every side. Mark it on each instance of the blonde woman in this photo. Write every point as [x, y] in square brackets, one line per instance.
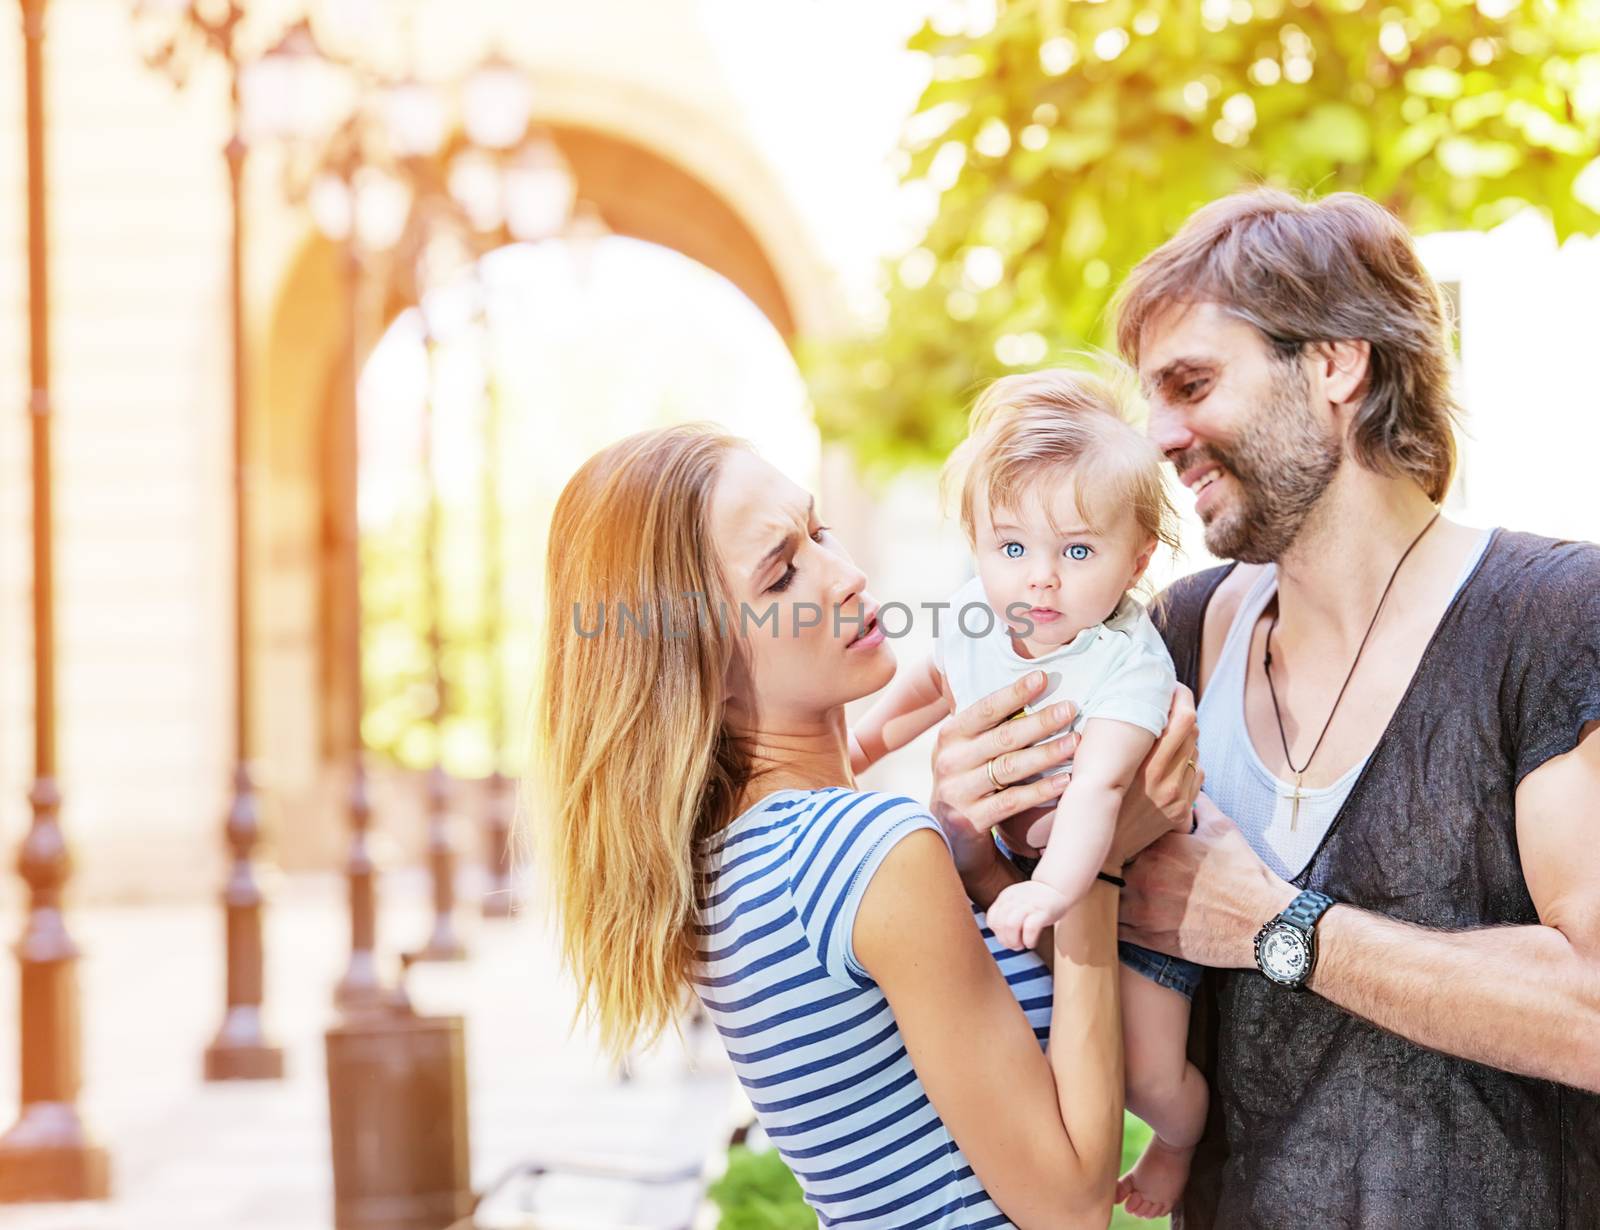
[703, 831]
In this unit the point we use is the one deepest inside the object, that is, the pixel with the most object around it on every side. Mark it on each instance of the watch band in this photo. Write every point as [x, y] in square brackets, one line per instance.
[1305, 909]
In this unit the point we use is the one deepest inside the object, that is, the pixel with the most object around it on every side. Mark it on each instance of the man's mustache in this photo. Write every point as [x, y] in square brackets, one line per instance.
[1185, 461]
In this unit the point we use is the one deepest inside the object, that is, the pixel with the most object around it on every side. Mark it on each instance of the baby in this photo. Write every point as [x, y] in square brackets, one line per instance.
[1064, 505]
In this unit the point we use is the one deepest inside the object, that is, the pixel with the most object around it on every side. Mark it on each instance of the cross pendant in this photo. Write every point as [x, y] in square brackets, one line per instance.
[1294, 813]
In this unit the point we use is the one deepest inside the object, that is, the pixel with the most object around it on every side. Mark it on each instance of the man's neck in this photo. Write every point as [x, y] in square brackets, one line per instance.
[1334, 575]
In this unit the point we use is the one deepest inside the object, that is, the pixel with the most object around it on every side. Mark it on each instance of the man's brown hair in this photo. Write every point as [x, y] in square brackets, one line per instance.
[1338, 269]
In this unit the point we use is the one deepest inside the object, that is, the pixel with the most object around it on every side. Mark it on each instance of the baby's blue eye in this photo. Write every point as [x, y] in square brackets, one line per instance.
[1078, 551]
[1013, 550]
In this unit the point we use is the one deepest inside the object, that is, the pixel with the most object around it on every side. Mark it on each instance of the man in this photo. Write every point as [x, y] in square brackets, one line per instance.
[1397, 713]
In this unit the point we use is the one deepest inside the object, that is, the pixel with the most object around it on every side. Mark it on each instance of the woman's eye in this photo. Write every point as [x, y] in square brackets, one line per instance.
[1078, 551]
[816, 534]
[1191, 389]
[1011, 550]
[782, 583]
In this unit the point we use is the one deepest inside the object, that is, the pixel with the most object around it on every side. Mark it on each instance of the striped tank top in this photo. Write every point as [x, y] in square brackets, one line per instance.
[811, 1036]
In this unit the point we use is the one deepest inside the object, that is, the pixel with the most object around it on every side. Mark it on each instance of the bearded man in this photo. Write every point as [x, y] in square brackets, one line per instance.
[1396, 875]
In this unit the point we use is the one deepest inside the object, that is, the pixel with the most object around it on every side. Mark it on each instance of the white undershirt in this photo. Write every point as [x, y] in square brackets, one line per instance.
[1237, 780]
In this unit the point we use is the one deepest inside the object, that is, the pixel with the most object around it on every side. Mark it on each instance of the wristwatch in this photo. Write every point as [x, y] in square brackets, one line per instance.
[1286, 948]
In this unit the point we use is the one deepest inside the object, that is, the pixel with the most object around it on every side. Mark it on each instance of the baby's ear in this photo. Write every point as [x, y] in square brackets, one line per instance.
[1143, 562]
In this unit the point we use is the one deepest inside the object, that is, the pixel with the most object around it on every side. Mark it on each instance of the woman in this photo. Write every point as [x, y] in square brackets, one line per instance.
[703, 829]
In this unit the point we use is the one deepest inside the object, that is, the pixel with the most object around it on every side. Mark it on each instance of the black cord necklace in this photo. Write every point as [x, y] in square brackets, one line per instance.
[1266, 667]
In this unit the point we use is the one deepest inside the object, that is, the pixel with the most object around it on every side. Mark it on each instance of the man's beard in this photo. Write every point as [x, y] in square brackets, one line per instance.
[1283, 460]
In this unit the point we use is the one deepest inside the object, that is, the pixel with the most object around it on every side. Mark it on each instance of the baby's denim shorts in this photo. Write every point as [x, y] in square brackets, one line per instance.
[1181, 976]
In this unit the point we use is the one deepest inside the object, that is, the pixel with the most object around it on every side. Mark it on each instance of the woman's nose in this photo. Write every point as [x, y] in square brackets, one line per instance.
[848, 581]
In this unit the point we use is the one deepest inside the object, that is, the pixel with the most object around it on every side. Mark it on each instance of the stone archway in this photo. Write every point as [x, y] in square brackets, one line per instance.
[646, 196]
[652, 173]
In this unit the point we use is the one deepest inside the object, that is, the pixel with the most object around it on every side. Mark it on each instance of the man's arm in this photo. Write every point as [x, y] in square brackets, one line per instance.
[1523, 999]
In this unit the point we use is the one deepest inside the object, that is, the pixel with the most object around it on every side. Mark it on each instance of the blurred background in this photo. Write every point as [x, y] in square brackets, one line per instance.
[308, 309]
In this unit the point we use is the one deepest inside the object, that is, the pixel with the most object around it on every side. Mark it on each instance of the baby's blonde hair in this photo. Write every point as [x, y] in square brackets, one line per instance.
[1026, 429]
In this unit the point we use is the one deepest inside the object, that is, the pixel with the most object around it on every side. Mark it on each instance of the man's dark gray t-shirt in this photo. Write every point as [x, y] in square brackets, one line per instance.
[1319, 1118]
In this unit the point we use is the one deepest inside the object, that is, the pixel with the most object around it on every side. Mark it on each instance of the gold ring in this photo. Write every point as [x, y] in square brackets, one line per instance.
[993, 781]
[1192, 765]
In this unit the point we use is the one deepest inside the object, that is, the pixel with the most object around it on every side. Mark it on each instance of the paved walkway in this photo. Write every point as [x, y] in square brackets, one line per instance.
[255, 1156]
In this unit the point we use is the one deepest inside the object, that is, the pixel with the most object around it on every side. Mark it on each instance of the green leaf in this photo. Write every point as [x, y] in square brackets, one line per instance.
[1466, 158]
[1338, 132]
[1434, 81]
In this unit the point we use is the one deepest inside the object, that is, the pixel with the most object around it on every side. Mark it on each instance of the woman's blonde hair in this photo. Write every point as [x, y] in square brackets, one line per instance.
[632, 763]
[1026, 430]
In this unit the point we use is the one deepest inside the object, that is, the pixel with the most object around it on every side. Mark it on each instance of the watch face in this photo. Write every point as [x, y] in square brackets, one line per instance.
[1283, 954]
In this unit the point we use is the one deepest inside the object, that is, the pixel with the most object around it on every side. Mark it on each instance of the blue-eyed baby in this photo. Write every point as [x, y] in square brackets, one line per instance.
[1064, 504]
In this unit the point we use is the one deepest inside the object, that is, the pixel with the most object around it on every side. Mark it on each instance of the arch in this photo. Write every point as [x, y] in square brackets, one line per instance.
[665, 131]
[654, 171]
[643, 195]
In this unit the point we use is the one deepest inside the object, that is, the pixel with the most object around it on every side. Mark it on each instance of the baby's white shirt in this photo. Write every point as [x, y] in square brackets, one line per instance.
[1117, 669]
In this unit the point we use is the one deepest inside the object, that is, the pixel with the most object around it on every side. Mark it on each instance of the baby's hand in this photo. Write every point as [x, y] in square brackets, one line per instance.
[1022, 911]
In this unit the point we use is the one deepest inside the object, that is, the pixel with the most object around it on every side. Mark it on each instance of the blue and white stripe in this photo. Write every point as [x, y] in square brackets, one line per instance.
[811, 1036]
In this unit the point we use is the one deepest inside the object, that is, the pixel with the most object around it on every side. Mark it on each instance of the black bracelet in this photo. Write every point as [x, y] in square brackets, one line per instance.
[1111, 879]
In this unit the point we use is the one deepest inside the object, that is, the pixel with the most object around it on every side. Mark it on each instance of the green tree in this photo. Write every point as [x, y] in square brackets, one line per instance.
[1066, 140]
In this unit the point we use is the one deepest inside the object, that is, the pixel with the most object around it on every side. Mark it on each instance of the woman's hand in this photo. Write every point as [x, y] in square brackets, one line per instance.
[1161, 799]
[965, 801]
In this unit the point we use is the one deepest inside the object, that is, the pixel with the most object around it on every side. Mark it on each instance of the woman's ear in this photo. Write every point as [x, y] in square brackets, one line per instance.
[736, 681]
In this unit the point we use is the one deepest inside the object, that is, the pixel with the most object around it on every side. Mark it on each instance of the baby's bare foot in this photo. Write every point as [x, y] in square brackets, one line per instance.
[1156, 1181]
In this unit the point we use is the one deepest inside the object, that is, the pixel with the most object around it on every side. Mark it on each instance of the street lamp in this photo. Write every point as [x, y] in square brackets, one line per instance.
[539, 190]
[522, 192]
[396, 1081]
[358, 202]
[47, 1154]
[268, 95]
[496, 103]
[435, 253]
[404, 204]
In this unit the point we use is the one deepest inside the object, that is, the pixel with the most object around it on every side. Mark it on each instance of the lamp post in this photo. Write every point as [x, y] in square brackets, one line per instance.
[497, 900]
[443, 942]
[525, 195]
[353, 204]
[269, 97]
[496, 103]
[241, 1049]
[513, 185]
[360, 989]
[47, 1154]
[433, 227]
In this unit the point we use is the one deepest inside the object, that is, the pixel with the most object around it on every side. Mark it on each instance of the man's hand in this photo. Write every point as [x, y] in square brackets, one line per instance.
[1202, 897]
